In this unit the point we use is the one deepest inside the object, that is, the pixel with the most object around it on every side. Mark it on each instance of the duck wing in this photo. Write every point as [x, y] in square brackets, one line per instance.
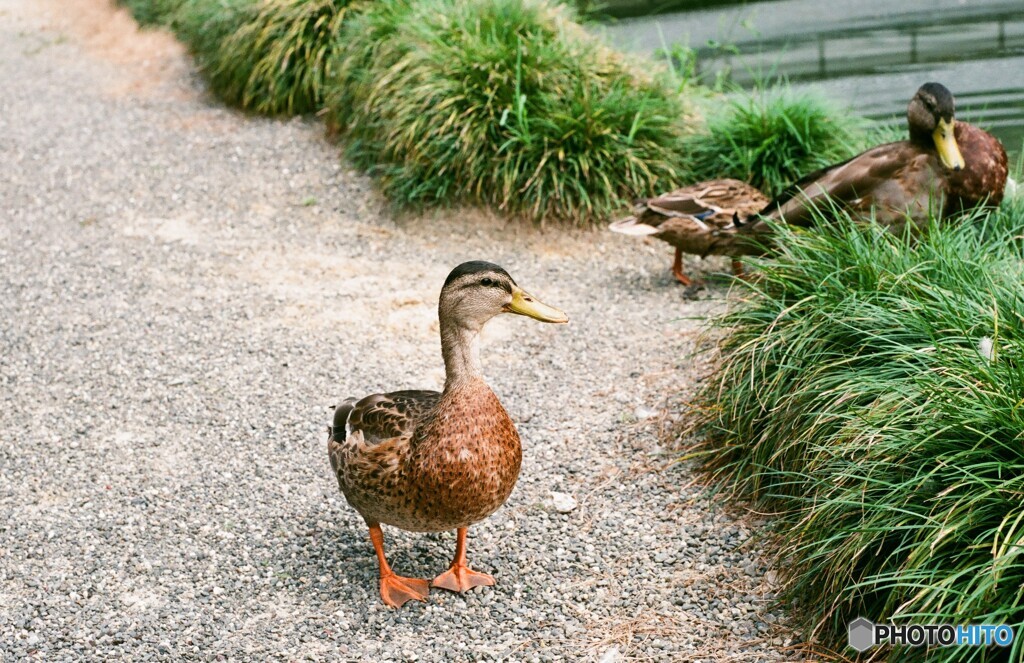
[891, 179]
[382, 417]
[703, 206]
[650, 214]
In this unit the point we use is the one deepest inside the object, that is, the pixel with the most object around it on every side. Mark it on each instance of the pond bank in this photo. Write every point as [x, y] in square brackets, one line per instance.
[869, 55]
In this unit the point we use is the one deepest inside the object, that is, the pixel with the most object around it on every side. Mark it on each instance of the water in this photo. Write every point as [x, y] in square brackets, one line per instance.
[870, 55]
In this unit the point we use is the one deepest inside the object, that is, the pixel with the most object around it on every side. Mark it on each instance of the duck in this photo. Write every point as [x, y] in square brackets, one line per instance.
[429, 461]
[691, 218]
[945, 167]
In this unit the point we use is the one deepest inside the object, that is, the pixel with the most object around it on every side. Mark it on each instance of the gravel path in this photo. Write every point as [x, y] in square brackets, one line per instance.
[184, 293]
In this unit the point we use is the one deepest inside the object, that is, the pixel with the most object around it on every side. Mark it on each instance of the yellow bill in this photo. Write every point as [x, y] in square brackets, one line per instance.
[945, 143]
[526, 304]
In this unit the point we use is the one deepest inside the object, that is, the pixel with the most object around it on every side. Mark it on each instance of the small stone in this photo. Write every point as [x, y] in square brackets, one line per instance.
[562, 502]
[643, 413]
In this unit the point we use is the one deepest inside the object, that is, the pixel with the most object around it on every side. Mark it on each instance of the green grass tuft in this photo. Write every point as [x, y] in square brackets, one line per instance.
[855, 400]
[270, 57]
[152, 12]
[507, 104]
[204, 26]
[770, 138]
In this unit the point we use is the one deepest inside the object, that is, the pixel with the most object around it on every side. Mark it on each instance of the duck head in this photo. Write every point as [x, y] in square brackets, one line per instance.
[476, 291]
[930, 116]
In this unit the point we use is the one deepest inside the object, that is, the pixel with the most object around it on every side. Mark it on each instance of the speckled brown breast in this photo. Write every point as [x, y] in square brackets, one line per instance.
[983, 179]
[456, 468]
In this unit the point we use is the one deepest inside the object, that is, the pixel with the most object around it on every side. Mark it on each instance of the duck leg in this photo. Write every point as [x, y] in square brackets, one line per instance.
[394, 589]
[459, 577]
[677, 269]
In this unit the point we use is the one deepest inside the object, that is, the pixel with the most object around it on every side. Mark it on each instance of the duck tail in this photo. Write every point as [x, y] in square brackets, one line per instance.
[631, 225]
[339, 430]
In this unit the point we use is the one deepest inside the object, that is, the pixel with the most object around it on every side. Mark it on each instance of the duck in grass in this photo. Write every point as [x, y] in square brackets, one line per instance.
[944, 168]
[691, 219]
[428, 461]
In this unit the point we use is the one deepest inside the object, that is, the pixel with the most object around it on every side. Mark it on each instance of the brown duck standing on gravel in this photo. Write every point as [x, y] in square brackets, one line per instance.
[690, 218]
[946, 167]
[426, 461]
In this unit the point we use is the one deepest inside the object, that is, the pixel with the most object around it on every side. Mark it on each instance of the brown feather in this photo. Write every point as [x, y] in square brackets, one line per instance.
[383, 416]
[983, 181]
[890, 180]
[690, 218]
[452, 459]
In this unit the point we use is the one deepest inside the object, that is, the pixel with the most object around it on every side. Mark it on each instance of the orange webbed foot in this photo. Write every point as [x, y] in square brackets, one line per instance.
[737, 269]
[460, 578]
[684, 279]
[396, 590]
[677, 269]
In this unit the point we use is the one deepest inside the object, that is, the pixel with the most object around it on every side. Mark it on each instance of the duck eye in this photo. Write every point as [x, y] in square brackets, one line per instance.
[486, 282]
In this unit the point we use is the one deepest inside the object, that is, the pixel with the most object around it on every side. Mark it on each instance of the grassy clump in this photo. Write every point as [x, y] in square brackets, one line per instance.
[267, 56]
[508, 104]
[870, 394]
[204, 26]
[772, 137]
[505, 103]
[152, 12]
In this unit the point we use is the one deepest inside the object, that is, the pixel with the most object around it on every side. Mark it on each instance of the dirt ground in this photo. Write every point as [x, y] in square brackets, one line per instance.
[187, 290]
